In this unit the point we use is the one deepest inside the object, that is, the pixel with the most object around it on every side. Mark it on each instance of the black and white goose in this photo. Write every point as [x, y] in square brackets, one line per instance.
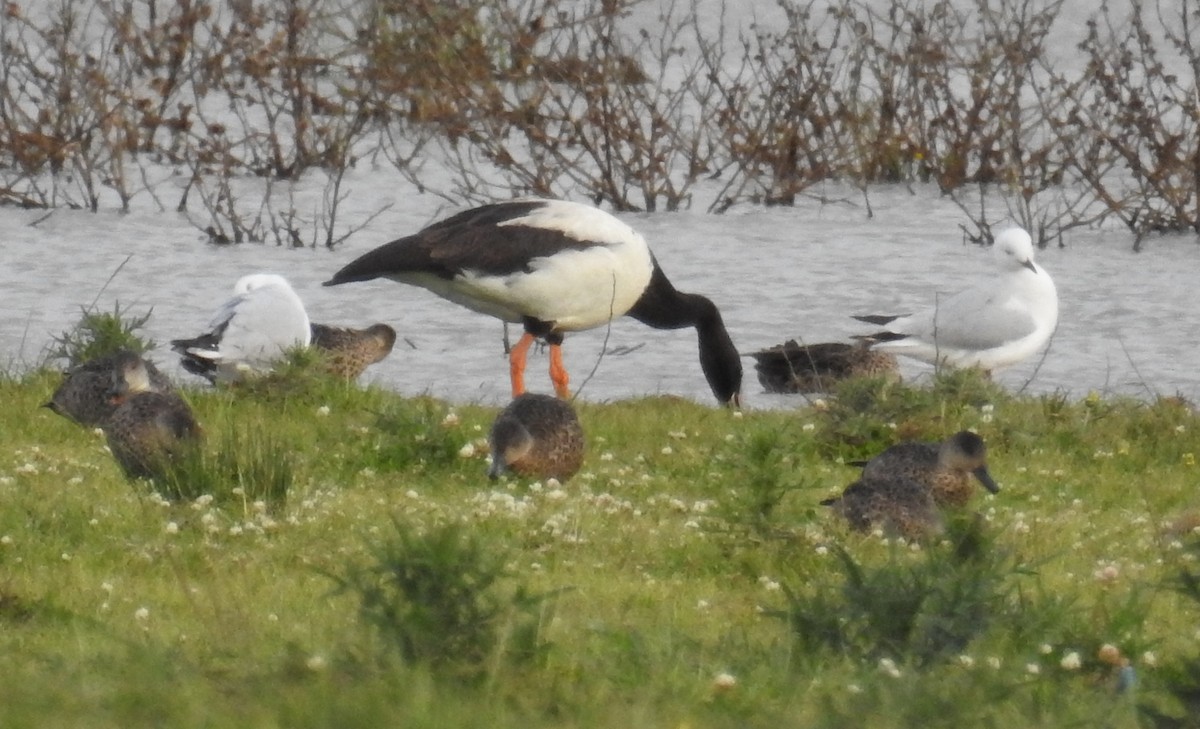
[555, 267]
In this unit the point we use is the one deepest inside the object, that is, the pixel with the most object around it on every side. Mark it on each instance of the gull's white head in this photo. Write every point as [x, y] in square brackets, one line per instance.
[254, 281]
[1015, 248]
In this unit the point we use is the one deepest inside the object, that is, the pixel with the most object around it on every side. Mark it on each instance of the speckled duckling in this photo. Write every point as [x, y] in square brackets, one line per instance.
[148, 429]
[792, 368]
[944, 468]
[83, 395]
[899, 506]
[537, 436]
[348, 352]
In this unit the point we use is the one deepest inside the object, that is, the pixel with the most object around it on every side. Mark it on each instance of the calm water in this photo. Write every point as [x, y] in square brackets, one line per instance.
[1128, 321]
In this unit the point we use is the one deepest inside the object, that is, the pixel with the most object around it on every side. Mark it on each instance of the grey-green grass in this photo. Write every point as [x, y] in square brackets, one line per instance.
[686, 577]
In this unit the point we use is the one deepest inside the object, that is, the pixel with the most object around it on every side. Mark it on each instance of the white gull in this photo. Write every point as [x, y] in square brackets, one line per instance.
[996, 323]
[250, 331]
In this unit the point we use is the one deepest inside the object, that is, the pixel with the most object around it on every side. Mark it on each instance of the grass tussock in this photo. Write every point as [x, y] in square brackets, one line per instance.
[337, 554]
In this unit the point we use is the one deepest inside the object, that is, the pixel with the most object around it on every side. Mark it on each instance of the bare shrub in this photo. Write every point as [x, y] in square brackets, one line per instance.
[1132, 123]
[779, 108]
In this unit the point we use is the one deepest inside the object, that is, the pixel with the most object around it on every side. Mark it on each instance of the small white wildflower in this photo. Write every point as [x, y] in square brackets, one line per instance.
[808, 427]
[75, 480]
[467, 451]
[1149, 659]
[768, 584]
[171, 528]
[412, 494]
[315, 662]
[107, 587]
[203, 500]
[666, 450]
[606, 456]
[450, 419]
[966, 661]
[691, 524]
[323, 410]
[141, 614]
[1033, 668]
[1071, 661]
[724, 681]
[1109, 654]
[854, 688]
[822, 550]
[235, 530]
[888, 666]
[272, 618]
[994, 662]
[737, 414]
[6, 540]
[702, 604]
[66, 556]
[367, 472]
[1045, 649]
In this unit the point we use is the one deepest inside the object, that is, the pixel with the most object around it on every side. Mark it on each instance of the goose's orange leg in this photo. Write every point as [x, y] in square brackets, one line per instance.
[516, 363]
[558, 373]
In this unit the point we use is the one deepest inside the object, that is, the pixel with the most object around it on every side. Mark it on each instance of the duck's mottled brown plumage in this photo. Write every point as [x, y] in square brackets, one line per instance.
[944, 468]
[792, 367]
[348, 352]
[148, 430]
[537, 436]
[83, 394]
[898, 506]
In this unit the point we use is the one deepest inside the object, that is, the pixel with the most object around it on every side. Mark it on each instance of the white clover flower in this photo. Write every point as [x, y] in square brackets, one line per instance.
[888, 666]
[1033, 668]
[737, 414]
[702, 604]
[606, 456]
[1045, 649]
[966, 661]
[666, 450]
[450, 419]
[1071, 661]
[141, 614]
[467, 451]
[323, 411]
[994, 662]
[412, 494]
[822, 550]
[808, 427]
[6, 540]
[315, 662]
[66, 556]
[171, 528]
[724, 681]
[1149, 659]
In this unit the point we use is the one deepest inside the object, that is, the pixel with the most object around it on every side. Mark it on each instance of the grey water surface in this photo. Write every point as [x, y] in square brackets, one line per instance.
[1128, 321]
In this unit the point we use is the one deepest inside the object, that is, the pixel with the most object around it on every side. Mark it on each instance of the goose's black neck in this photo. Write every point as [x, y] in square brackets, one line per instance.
[663, 307]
